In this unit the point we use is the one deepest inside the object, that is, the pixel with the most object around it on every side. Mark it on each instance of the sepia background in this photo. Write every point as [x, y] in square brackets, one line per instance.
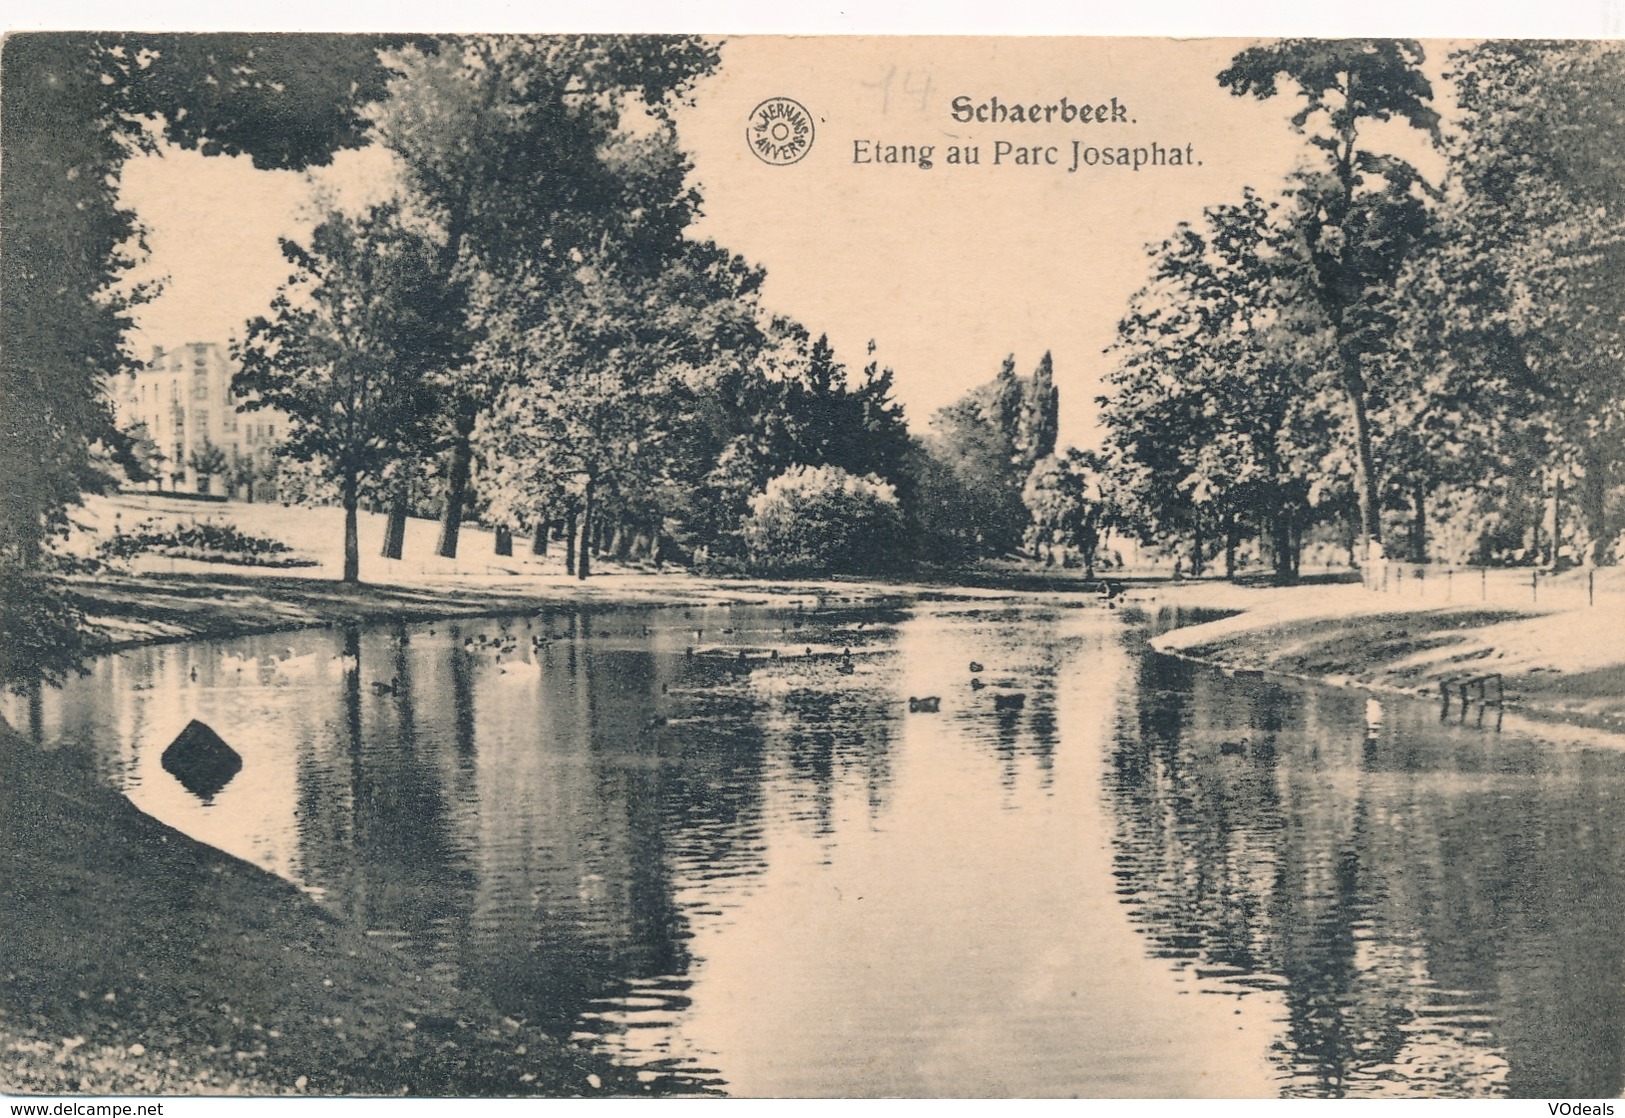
[1101, 806]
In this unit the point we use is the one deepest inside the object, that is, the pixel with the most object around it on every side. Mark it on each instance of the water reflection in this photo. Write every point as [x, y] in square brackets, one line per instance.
[717, 843]
[1438, 908]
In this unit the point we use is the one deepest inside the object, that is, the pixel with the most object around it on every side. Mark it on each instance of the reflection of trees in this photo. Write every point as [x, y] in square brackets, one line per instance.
[827, 734]
[1440, 911]
[549, 836]
[825, 731]
[1023, 651]
[413, 876]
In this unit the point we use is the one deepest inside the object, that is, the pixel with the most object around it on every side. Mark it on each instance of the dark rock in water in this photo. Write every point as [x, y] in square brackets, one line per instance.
[1009, 702]
[931, 704]
[201, 760]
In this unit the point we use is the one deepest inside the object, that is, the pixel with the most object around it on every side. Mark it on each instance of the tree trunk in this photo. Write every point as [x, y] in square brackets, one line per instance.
[1230, 543]
[1419, 523]
[583, 563]
[1537, 541]
[36, 710]
[538, 542]
[1592, 501]
[395, 530]
[462, 458]
[1197, 544]
[1281, 545]
[504, 540]
[570, 543]
[28, 534]
[1364, 468]
[1557, 524]
[352, 540]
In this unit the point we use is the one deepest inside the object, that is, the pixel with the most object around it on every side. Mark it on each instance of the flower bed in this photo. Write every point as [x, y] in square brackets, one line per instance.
[203, 542]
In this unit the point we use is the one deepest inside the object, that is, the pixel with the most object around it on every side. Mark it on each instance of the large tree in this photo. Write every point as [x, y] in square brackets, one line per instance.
[981, 449]
[1063, 514]
[76, 106]
[1361, 210]
[530, 154]
[600, 385]
[1215, 420]
[1534, 252]
[349, 347]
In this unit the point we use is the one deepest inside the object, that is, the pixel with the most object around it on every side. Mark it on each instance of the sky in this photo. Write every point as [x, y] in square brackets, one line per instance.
[947, 270]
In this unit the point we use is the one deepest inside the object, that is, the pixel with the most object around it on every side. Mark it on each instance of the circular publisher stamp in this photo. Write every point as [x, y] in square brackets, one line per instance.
[780, 131]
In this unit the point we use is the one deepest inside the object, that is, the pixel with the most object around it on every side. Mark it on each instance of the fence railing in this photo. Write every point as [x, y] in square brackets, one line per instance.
[1500, 586]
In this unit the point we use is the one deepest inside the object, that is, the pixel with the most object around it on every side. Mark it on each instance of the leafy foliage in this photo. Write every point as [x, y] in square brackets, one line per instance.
[1527, 281]
[822, 519]
[207, 461]
[982, 449]
[1221, 391]
[76, 106]
[350, 344]
[1361, 212]
[207, 542]
[45, 637]
[1064, 518]
[530, 155]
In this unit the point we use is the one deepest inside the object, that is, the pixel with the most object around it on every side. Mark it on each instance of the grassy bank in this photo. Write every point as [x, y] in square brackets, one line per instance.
[153, 599]
[1560, 655]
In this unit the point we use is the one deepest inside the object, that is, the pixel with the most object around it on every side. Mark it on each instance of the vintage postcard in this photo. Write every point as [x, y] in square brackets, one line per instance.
[826, 566]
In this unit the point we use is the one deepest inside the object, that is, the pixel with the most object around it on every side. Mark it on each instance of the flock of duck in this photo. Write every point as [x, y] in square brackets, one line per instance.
[1004, 700]
[504, 648]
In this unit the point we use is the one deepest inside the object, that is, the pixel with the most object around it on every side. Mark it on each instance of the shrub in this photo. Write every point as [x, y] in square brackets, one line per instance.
[208, 543]
[823, 520]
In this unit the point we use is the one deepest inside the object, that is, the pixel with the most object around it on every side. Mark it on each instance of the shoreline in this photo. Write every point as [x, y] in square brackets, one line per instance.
[1561, 664]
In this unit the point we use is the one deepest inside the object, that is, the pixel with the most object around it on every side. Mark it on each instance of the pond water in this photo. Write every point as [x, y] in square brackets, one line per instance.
[717, 844]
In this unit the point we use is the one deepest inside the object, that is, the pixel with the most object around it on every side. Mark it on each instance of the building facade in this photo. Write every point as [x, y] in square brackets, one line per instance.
[184, 398]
